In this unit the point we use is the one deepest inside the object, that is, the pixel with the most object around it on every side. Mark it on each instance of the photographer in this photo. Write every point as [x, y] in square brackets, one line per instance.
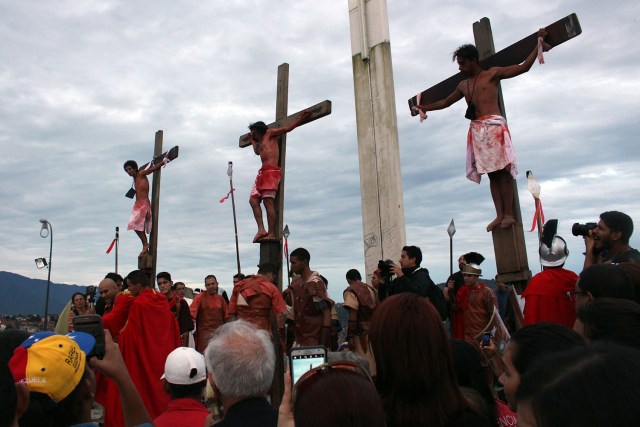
[608, 242]
[410, 277]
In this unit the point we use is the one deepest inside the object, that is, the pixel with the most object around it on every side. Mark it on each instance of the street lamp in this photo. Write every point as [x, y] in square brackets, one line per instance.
[46, 231]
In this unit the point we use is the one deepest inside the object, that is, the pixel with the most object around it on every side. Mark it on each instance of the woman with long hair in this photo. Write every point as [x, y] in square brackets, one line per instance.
[79, 306]
[416, 378]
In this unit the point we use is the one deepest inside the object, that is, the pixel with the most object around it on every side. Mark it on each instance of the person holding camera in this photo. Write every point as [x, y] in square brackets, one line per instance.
[410, 277]
[608, 241]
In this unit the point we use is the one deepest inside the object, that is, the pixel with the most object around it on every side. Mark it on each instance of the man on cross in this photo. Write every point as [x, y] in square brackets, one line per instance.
[265, 144]
[141, 217]
[489, 148]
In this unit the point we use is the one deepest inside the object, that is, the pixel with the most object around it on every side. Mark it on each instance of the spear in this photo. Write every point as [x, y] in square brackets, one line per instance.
[451, 230]
[285, 234]
[233, 204]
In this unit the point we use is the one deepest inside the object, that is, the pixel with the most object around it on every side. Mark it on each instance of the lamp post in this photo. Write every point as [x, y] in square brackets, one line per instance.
[47, 231]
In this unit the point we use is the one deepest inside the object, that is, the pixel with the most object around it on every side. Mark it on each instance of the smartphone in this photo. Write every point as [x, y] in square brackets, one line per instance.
[91, 324]
[304, 359]
[486, 339]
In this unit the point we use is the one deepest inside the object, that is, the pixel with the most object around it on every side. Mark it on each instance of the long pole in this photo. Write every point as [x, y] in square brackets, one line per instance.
[450, 255]
[285, 234]
[233, 205]
[47, 225]
[117, 241]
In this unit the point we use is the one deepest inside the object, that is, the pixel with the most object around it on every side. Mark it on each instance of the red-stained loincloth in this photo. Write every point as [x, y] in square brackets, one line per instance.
[267, 182]
[141, 216]
[489, 147]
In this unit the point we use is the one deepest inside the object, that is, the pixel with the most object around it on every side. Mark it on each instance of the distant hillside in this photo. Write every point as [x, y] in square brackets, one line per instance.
[21, 295]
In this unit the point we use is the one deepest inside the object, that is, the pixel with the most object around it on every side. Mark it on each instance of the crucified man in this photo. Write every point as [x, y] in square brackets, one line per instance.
[265, 144]
[489, 148]
[141, 217]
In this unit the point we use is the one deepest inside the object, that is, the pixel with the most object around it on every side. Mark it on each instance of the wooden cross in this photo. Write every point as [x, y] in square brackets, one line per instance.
[509, 246]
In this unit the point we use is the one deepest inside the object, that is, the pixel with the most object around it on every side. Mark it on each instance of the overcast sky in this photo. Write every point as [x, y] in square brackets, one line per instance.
[84, 86]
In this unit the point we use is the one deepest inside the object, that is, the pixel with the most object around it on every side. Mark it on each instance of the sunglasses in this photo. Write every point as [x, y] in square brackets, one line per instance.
[311, 376]
[572, 295]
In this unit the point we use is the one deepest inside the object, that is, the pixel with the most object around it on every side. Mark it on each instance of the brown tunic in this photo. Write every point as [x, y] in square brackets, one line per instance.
[309, 299]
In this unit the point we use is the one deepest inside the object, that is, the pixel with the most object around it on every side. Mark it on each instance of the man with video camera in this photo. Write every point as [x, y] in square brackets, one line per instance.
[607, 241]
[410, 277]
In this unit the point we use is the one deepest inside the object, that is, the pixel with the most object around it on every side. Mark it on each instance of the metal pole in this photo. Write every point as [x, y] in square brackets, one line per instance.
[47, 225]
[233, 205]
[285, 234]
[117, 241]
[450, 256]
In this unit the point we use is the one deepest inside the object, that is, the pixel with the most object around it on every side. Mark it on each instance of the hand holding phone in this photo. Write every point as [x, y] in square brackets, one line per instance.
[486, 339]
[91, 324]
[304, 359]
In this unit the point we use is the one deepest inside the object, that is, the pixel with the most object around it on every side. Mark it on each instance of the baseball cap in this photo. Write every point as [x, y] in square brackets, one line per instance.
[184, 366]
[52, 364]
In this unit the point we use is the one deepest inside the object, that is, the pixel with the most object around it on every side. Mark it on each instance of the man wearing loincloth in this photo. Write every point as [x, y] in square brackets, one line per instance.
[489, 148]
[265, 144]
[141, 218]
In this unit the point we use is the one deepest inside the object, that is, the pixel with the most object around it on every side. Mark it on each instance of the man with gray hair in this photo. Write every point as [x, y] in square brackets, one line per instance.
[241, 361]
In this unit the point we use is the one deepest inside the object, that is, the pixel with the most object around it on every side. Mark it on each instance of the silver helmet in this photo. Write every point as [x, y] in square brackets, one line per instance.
[554, 255]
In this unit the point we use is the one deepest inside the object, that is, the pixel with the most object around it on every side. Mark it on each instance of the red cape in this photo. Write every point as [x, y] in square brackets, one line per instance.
[150, 334]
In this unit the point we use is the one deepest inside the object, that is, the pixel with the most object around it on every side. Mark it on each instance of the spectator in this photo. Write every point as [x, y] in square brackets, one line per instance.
[181, 289]
[316, 402]
[108, 290]
[610, 319]
[79, 307]
[546, 293]
[241, 361]
[602, 280]
[415, 373]
[586, 387]
[14, 398]
[410, 277]
[209, 311]
[609, 241]
[529, 345]
[184, 379]
[633, 271]
[360, 300]
[120, 283]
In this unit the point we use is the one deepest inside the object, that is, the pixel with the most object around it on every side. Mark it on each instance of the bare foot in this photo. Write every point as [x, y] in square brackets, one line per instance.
[493, 224]
[507, 221]
[260, 235]
[269, 236]
[145, 250]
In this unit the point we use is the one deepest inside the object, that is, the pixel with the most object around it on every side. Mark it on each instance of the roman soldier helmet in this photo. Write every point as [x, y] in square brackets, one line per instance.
[553, 249]
[473, 258]
[473, 269]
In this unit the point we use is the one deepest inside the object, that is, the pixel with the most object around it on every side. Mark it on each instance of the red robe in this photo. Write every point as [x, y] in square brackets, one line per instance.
[149, 335]
[546, 297]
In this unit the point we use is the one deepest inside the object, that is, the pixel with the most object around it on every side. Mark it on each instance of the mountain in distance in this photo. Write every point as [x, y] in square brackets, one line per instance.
[22, 295]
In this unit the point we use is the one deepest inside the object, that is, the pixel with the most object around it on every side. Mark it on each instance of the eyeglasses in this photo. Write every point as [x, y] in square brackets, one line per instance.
[572, 295]
[311, 376]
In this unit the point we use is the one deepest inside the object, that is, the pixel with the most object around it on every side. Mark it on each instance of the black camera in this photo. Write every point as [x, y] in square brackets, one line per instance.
[385, 267]
[583, 229]
[91, 293]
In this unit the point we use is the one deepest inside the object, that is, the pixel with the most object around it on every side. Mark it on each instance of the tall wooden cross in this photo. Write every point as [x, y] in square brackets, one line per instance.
[271, 251]
[508, 243]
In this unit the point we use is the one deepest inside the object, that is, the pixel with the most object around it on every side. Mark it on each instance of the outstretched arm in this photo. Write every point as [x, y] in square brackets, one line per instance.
[516, 70]
[276, 132]
[456, 96]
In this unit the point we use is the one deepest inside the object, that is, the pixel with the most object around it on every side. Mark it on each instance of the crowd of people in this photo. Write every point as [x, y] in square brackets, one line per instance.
[414, 354]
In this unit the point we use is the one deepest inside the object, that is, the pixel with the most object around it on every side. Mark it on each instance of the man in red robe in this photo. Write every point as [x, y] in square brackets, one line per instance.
[209, 311]
[149, 335]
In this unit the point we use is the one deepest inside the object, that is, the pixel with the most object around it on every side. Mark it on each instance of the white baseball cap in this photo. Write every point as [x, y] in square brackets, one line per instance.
[184, 366]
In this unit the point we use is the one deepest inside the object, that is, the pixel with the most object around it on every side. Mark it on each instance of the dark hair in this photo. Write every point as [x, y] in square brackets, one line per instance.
[138, 277]
[259, 127]
[592, 386]
[606, 280]
[466, 51]
[611, 319]
[115, 277]
[353, 274]
[471, 374]
[415, 374]
[75, 294]
[131, 163]
[414, 252]
[267, 268]
[164, 275]
[240, 276]
[210, 276]
[618, 221]
[325, 281]
[632, 269]
[301, 253]
[182, 391]
[534, 342]
[175, 285]
[8, 396]
[356, 404]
